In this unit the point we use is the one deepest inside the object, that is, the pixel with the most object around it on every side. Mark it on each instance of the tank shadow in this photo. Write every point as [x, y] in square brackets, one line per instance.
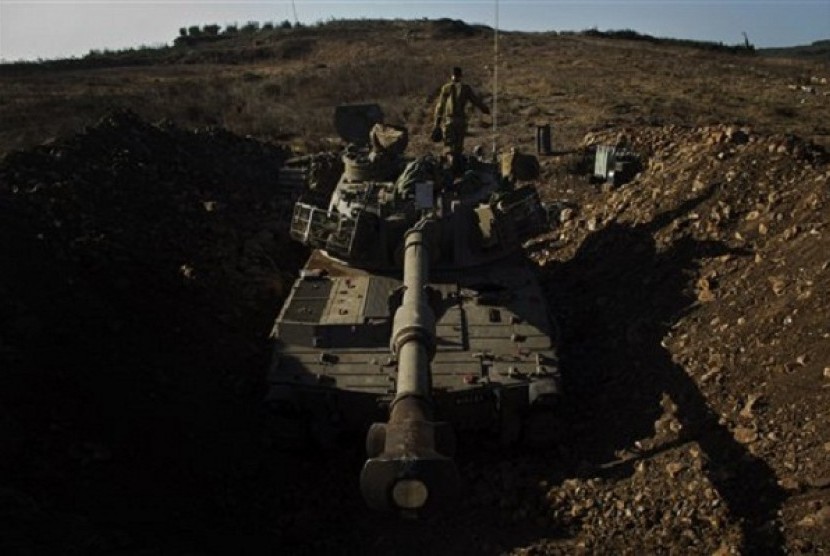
[617, 298]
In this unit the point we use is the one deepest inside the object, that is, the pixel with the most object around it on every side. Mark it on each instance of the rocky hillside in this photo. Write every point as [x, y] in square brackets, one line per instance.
[146, 262]
[697, 339]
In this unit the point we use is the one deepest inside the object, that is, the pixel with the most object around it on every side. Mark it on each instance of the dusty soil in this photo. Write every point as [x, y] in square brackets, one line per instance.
[145, 263]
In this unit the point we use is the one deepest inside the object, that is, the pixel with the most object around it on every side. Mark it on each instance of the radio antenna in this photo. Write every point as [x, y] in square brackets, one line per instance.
[496, 80]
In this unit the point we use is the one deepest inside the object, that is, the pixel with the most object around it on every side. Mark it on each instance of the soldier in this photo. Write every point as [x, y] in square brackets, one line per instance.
[451, 117]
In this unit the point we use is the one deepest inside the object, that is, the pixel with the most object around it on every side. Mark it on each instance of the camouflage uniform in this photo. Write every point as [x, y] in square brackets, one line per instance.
[450, 113]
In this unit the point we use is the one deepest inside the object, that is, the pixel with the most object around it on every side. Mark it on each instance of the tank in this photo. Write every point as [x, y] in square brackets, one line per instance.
[417, 318]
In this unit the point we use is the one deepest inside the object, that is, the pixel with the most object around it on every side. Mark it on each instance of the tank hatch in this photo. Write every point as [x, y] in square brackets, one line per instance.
[353, 122]
[337, 313]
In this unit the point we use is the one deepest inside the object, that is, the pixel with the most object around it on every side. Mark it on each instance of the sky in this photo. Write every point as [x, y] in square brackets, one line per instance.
[31, 29]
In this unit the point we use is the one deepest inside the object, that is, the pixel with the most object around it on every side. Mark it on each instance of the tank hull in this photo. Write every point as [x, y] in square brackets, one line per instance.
[495, 356]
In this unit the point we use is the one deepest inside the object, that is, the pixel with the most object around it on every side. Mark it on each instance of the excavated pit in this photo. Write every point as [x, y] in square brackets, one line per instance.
[149, 263]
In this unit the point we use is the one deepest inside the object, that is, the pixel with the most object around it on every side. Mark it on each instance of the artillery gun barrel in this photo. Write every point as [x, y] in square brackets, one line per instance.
[410, 467]
[414, 326]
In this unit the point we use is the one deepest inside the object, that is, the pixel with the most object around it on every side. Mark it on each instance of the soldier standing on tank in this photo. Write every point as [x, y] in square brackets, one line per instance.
[451, 116]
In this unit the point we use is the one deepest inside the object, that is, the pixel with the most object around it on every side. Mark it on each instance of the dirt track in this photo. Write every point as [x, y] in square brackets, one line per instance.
[148, 262]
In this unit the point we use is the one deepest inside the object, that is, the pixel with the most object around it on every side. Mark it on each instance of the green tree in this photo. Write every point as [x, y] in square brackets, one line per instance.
[251, 27]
